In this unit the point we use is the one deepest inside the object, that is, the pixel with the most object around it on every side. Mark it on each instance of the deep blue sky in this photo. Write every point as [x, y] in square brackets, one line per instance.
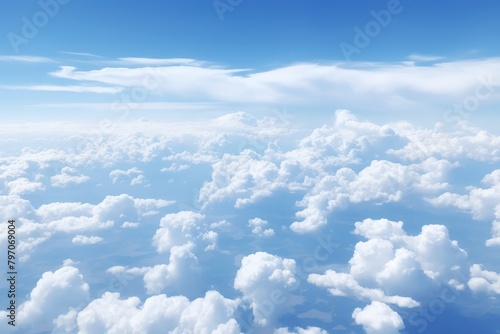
[257, 33]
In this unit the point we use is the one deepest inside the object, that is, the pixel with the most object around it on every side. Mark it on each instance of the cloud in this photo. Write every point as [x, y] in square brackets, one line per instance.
[118, 174]
[298, 330]
[65, 178]
[481, 203]
[159, 314]
[182, 261]
[38, 225]
[424, 58]
[70, 89]
[392, 267]
[26, 59]
[341, 284]
[258, 225]
[330, 166]
[23, 186]
[378, 318]
[55, 293]
[484, 281]
[265, 280]
[85, 240]
[176, 229]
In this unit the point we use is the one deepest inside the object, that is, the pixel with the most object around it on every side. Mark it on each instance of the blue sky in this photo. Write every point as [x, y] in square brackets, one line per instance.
[241, 166]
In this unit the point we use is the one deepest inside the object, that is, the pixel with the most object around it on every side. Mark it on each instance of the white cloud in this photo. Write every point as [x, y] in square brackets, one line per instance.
[378, 318]
[85, 240]
[341, 284]
[65, 178]
[182, 261]
[483, 280]
[298, 330]
[481, 203]
[258, 226]
[176, 229]
[321, 166]
[159, 314]
[395, 268]
[117, 174]
[211, 237]
[55, 293]
[265, 280]
[23, 186]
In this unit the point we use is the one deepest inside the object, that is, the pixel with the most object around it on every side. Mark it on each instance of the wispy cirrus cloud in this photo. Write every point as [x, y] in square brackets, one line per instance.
[71, 89]
[26, 59]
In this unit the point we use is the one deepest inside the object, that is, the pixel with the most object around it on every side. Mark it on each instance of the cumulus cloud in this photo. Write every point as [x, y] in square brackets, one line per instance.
[405, 82]
[322, 167]
[378, 318]
[135, 173]
[159, 314]
[180, 235]
[86, 240]
[265, 280]
[481, 203]
[182, 261]
[392, 267]
[258, 225]
[298, 330]
[55, 294]
[23, 186]
[484, 281]
[177, 229]
[65, 178]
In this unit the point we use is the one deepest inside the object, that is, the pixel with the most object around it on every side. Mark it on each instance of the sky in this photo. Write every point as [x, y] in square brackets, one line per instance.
[236, 166]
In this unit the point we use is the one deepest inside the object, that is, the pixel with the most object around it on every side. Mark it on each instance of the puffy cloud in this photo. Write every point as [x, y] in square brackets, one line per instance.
[55, 294]
[264, 280]
[481, 203]
[175, 168]
[211, 237]
[159, 314]
[392, 267]
[378, 318]
[69, 217]
[182, 260]
[38, 225]
[483, 280]
[298, 330]
[258, 226]
[135, 173]
[341, 284]
[320, 166]
[23, 186]
[65, 178]
[85, 240]
[379, 228]
[177, 229]
[246, 173]
[381, 181]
